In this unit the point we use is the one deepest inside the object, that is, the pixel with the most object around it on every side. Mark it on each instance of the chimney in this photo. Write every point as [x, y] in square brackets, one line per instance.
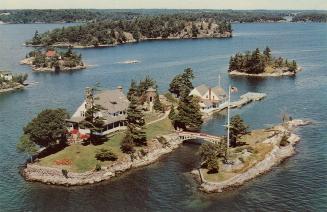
[120, 88]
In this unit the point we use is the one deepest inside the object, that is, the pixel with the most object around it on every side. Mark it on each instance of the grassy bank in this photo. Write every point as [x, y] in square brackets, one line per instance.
[83, 157]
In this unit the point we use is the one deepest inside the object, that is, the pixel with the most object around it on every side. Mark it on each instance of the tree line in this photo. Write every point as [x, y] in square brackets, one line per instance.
[88, 15]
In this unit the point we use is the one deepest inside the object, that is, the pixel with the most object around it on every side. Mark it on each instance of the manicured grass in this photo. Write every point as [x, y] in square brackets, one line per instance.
[83, 157]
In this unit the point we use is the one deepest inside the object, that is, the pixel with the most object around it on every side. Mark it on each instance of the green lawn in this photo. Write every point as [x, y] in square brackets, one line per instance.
[83, 157]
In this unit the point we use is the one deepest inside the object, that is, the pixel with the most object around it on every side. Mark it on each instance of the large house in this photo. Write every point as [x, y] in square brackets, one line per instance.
[210, 98]
[114, 112]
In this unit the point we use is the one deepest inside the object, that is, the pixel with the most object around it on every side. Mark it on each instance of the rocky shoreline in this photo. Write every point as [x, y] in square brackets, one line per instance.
[274, 158]
[278, 73]
[78, 46]
[54, 176]
[17, 87]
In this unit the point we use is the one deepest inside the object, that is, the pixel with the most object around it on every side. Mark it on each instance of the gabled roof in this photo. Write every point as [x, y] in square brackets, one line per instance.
[112, 100]
[202, 89]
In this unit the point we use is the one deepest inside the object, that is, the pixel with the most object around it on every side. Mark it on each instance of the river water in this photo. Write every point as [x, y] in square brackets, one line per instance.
[299, 184]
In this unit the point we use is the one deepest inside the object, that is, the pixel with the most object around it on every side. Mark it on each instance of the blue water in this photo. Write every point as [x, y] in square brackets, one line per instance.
[299, 184]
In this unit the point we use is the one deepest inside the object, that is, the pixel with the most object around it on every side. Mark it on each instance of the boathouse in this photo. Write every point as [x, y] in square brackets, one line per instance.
[210, 97]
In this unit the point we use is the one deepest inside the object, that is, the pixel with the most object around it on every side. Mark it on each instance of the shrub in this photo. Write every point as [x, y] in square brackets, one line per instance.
[98, 167]
[65, 173]
[284, 141]
[105, 155]
[127, 147]
[143, 152]
[163, 141]
[212, 165]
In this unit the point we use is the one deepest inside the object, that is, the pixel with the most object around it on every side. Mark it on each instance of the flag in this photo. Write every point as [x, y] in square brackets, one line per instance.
[234, 90]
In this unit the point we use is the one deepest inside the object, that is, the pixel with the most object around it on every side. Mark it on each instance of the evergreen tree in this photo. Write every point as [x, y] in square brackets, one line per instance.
[267, 53]
[132, 90]
[92, 120]
[189, 115]
[157, 105]
[237, 129]
[135, 124]
[182, 82]
[36, 39]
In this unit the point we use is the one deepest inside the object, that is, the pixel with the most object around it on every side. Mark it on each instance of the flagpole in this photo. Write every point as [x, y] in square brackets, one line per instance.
[228, 117]
[219, 85]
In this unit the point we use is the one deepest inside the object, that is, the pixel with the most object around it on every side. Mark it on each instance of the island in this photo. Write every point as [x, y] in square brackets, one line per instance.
[52, 60]
[11, 82]
[251, 153]
[261, 64]
[37, 16]
[111, 33]
[112, 132]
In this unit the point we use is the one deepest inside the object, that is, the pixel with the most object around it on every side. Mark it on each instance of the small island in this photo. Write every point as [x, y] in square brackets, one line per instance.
[10, 81]
[111, 33]
[261, 64]
[251, 153]
[52, 60]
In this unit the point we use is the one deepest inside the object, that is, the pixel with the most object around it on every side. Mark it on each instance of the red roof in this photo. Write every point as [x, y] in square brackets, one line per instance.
[85, 136]
[50, 53]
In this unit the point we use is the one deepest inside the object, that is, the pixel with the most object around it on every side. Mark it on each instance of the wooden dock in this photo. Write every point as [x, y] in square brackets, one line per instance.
[244, 100]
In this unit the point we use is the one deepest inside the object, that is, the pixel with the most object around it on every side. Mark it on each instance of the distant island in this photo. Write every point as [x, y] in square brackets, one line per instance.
[52, 60]
[264, 64]
[10, 81]
[111, 33]
[28, 16]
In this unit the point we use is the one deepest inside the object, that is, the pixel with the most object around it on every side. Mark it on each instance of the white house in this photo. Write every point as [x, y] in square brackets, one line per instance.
[114, 112]
[210, 98]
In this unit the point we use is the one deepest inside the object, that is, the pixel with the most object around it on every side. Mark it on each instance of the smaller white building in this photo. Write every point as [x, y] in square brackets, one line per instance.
[210, 98]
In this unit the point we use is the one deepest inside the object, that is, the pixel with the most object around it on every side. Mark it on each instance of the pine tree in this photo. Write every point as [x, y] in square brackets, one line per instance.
[237, 129]
[182, 82]
[36, 39]
[132, 90]
[157, 105]
[267, 53]
[189, 115]
[92, 120]
[135, 124]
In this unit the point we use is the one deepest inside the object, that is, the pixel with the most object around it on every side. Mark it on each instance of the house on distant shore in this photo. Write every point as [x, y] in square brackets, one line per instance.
[210, 98]
[114, 112]
[7, 75]
[50, 53]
